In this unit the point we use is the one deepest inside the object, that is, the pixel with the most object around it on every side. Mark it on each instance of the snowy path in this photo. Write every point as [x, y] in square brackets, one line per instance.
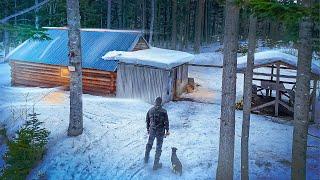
[210, 84]
[113, 143]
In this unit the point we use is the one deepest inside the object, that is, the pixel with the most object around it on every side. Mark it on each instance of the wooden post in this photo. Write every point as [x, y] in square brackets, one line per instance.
[276, 106]
[314, 100]
[272, 70]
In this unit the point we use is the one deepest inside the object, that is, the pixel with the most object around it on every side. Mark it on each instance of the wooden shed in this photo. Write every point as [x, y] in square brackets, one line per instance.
[150, 73]
[44, 63]
[274, 79]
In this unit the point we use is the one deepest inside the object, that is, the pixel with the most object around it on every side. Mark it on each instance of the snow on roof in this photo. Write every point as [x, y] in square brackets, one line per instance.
[156, 57]
[267, 57]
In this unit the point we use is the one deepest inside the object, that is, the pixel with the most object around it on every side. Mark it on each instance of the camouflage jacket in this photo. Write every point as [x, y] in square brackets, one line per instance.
[157, 119]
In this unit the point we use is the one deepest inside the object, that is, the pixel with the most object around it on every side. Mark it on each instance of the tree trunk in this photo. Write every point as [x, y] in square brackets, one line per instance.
[198, 27]
[101, 17]
[174, 24]
[15, 43]
[167, 31]
[153, 14]
[120, 14]
[247, 96]
[301, 106]
[109, 15]
[50, 14]
[15, 10]
[74, 44]
[205, 26]
[36, 21]
[6, 39]
[187, 25]
[227, 122]
[6, 44]
[143, 15]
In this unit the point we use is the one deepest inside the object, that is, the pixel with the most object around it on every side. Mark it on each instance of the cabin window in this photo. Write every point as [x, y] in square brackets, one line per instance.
[64, 72]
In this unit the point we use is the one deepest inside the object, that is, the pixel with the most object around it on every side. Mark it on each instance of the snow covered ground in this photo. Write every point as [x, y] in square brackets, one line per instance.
[113, 143]
[212, 54]
[210, 85]
[210, 58]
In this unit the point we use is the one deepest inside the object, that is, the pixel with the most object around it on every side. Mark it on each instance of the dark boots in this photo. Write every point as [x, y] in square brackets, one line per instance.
[147, 154]
[146, 158]
[156, 164]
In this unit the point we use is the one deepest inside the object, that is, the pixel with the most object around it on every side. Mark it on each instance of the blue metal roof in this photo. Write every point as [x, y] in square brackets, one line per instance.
[94, 44]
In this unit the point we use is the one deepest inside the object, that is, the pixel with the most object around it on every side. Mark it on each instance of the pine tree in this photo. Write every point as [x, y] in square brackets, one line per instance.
[174, 25]
[247, 96]
[26, 149]
[301, 104]
[153, 14]
[198, 26]
[74, 44]
[227, 121]
[109, 15]
[36, 21]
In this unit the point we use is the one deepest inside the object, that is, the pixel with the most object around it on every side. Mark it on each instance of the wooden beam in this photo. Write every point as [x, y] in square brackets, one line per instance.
[35, 64]
[204, 65]
[274, 75]
[286, 106]
[286, 65]
[263, 105]
[285, 94]
[282, 67]
[276, 106]
[283, 82]
[272, 71]
[36, 71]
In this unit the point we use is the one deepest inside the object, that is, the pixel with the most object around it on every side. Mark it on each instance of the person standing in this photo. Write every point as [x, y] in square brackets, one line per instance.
[157, 127]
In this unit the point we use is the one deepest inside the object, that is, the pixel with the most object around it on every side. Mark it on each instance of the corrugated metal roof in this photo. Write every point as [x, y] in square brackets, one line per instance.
[94, 45]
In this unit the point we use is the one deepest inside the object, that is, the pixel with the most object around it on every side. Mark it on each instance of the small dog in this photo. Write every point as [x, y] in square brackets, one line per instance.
[176, 164]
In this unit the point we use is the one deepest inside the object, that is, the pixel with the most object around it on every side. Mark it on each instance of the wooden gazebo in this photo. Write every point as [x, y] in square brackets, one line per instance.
[274, 79]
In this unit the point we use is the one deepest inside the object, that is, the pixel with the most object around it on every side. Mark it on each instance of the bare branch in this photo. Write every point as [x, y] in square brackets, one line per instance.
[317, 137]
[316, 147]
[4, 20]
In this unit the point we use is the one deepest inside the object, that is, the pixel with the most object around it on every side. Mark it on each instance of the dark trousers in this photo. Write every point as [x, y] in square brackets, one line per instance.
[152, 136]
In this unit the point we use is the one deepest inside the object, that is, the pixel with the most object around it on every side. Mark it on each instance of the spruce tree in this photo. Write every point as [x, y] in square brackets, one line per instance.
[26, 149]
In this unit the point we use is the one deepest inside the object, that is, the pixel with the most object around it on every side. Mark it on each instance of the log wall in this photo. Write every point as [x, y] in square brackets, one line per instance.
[43, 75]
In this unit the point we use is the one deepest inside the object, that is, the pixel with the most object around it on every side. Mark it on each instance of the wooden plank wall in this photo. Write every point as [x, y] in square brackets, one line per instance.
[182, 79]
[43, 75]
[142, 44]
[145, 83]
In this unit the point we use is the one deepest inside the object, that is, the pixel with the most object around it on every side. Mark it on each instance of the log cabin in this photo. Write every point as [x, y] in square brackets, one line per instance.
[44, 63]
[114, 62]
